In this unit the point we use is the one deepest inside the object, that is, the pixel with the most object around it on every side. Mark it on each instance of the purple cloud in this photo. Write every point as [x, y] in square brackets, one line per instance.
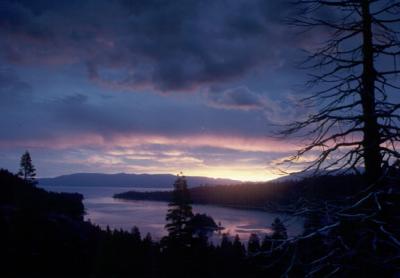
[160, 45]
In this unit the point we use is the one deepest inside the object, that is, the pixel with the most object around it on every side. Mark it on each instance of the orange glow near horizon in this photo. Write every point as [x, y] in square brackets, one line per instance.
[236, 158]
[234, 174]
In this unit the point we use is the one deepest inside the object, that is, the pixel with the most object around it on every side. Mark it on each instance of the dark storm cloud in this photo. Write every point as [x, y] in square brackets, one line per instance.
[197, 43]
[131, 45]
[17, 21]
[162, 45]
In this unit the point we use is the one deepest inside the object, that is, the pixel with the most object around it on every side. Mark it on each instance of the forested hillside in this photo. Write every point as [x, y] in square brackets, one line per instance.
[43, 234]
[284, 195]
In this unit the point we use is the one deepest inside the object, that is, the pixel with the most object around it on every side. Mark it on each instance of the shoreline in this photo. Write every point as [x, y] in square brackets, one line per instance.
[239, 207]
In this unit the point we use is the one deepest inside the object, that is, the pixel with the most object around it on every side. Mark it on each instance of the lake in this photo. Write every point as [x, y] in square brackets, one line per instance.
[149, 216]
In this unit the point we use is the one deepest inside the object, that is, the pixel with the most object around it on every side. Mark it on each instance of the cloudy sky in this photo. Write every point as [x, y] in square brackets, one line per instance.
[149, 86]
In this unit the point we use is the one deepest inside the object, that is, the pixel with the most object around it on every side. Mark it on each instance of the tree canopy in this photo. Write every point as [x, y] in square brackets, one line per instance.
[27, 171]
[179, 213]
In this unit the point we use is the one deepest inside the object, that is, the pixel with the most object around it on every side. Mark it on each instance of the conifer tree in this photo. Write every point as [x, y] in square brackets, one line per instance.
[226, 244]
[27, 171]
[137, 237]
[148, 239]
[238, 248]
[180, 213]
[253, 245]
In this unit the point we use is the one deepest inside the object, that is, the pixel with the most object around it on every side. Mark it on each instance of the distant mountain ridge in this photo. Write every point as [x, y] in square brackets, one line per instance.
[298, 176]
[130, 180]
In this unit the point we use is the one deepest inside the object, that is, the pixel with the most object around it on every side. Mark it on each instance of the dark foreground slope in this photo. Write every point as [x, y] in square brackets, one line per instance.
[286, 195]
[43, 234]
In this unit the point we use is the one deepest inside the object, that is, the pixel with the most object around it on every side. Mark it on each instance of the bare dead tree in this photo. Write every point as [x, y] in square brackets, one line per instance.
[354, 77]
[357, 119]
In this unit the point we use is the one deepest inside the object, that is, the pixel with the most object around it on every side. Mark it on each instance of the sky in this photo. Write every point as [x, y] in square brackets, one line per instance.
[149, 86]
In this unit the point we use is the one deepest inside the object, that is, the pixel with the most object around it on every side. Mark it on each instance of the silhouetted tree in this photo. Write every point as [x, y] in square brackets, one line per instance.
[238, 248]
[278, 229]
[202, 225]
[180, 213]
[226, 242]
[136, 234]
[27, 171]
[357, 119]
[253, 246]
[148, 240]
[355, 123]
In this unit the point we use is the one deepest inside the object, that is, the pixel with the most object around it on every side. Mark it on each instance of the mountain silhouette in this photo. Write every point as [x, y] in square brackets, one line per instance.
[131, 180]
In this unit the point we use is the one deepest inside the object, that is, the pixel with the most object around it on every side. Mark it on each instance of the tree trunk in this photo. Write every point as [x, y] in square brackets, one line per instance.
[371, 140]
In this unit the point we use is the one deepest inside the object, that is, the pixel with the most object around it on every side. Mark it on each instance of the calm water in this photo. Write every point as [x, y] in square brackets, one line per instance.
[149, 216]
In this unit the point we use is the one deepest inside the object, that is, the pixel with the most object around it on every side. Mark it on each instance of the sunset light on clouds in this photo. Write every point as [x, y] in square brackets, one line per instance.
[200, 138]
[135, 89]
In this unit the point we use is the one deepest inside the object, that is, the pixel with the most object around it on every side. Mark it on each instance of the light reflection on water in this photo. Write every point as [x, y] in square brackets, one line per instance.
[149, 216]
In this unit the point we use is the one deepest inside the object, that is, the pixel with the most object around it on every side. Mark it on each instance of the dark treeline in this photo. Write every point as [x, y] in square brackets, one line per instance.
[20, 196]
[43, 234]
[268, 195]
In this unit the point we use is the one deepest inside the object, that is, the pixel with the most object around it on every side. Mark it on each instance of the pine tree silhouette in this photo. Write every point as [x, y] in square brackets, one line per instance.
[253, 245]
[180, 213]
[27, 171]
